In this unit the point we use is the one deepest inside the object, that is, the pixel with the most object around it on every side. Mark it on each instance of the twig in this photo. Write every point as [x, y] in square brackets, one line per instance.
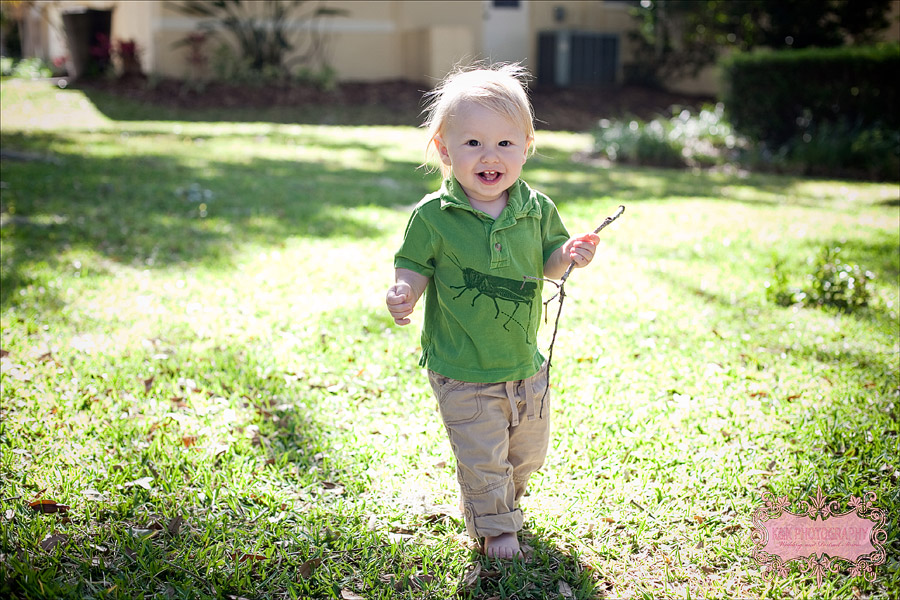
[561, 285]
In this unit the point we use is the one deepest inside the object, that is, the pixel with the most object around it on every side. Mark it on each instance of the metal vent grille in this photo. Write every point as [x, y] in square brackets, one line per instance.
[577, 58]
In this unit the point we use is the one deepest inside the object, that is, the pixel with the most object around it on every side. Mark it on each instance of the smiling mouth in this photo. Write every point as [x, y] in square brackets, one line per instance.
[489, 176]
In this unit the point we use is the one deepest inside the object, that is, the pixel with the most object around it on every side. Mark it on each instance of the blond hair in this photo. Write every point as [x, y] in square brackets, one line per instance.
[500, 88]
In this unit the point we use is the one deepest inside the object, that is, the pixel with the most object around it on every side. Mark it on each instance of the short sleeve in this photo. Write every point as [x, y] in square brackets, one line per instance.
[417, 252]
[553, 232]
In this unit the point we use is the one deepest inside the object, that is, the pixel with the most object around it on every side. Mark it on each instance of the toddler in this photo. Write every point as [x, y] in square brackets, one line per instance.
[478, 249]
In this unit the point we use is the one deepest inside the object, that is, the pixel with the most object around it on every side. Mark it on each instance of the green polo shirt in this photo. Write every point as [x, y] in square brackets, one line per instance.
[481, 314]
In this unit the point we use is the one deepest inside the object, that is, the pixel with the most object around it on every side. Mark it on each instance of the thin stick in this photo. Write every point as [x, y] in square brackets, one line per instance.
[562, 296]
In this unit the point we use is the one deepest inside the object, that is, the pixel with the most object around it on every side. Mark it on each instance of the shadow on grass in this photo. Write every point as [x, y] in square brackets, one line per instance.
[154, 211]
[566, 176]
[348, 105]
[549, 571]
[226, 507]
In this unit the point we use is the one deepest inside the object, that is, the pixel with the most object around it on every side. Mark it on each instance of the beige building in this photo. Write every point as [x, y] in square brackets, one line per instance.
[417, 40]
[564, 42]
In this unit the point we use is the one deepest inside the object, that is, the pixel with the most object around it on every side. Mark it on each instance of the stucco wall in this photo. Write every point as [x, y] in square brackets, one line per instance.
[375, 39]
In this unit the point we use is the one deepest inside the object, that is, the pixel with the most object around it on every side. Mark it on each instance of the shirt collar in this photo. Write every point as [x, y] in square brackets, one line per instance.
[521, 202]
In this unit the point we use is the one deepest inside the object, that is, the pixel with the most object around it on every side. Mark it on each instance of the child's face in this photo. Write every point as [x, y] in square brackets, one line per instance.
[484, 150]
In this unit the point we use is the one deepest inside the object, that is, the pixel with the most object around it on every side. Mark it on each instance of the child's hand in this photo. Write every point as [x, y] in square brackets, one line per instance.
[581, 249]
[400, 302]
[403, 295]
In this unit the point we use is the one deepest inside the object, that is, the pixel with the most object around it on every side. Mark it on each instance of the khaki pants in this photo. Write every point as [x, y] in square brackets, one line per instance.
[499, 433]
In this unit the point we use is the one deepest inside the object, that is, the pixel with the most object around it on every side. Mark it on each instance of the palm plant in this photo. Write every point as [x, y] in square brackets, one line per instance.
[271, 35]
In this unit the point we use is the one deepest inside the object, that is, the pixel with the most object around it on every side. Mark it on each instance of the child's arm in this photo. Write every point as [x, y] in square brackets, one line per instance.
[580, 249]
[403, 295]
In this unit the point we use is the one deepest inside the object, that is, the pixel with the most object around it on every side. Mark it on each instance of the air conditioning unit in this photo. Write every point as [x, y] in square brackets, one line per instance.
[577, 58]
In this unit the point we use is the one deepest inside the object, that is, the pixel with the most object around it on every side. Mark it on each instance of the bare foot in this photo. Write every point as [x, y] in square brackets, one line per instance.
[505, 545]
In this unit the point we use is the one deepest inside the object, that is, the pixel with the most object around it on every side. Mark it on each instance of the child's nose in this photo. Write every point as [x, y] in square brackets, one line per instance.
[490, 156]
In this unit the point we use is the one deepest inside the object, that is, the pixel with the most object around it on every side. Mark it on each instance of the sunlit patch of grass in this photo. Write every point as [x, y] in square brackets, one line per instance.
[223, 403]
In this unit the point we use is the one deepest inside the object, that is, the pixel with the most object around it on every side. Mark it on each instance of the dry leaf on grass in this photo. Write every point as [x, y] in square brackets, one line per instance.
[174, 525]
[143, 482]
[48, 506]
[471, 575]
[246, 557]
[50, 542]
[306, 569]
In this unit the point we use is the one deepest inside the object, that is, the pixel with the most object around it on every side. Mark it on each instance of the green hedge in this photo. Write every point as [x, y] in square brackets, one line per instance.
[777, 96]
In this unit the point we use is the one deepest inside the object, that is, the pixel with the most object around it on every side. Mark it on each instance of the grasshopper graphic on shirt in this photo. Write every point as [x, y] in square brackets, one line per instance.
[495, 288]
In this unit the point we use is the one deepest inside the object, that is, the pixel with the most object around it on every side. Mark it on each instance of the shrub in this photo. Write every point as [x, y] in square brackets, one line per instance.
[28, 68]
[843, 150]
[774, 97]
[706, 139]
[686, 139]
[831, 283]
[835, 150]
[639, 143]
[263, 34]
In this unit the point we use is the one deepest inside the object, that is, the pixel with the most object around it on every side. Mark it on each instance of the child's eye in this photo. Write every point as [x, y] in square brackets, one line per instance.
[505, 143]
[473, 143]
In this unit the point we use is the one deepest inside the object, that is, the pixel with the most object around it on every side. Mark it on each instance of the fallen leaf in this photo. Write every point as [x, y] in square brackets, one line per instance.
[48, 506]
[3, 353]
[143, 482]
[143, 533]
[348, 595]
[306, 569]
[174, 525]
[93, 495]
[155, 525]
[471, 576]
[148, 384]
[565, 590]
[527, 551]
[219, 450]
[699, 518]
[334, 488]
[246, 557]
[608, 520]
[52, 541]
[188, 440]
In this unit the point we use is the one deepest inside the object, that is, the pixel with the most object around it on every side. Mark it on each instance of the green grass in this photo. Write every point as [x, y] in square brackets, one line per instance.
[197, 361]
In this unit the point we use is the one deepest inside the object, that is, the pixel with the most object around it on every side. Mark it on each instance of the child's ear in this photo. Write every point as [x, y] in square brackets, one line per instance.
[442, 150]
[529, 144]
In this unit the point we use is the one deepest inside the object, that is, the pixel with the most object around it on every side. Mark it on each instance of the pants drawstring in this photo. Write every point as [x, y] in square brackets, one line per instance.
[513, 403]
[513, 408]
[529, 399]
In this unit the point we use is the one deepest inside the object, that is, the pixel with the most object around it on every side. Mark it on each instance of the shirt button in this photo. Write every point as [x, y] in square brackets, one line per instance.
[498, 247]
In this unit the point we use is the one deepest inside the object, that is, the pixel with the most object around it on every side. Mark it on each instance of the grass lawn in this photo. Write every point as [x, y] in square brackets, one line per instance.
[201, 383]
